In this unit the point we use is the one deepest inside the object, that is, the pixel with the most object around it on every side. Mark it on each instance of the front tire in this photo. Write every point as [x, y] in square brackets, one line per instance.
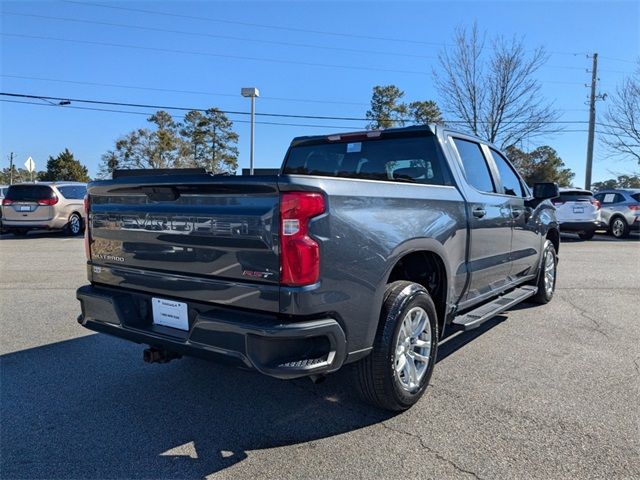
[619, 228]
[396, 373]
[547, 276]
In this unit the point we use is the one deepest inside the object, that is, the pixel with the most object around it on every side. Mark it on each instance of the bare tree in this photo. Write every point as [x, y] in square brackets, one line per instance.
[494, 94]
[621, 130]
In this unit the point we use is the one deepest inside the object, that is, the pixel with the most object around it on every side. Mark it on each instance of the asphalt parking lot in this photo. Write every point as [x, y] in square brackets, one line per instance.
[540, 392]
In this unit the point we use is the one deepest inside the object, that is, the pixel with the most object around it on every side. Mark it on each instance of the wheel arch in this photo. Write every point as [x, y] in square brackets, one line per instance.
[428, 268]
[553, 235]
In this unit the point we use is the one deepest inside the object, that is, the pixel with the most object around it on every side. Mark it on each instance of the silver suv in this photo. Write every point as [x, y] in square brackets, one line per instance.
[44, 205]
[620, 210]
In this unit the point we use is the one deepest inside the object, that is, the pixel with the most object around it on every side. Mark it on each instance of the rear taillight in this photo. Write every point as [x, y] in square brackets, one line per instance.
[596, 203]
[6, 202]
[48, 201]
[299, 253]
[87, 237]
[635, 208]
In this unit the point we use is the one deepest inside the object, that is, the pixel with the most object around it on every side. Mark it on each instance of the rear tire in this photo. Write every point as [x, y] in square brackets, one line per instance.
[396, 373]
[586, 235]
[619, 227]
[74, 226]
[547, 275]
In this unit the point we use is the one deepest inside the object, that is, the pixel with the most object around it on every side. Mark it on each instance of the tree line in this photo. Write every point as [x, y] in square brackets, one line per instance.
[202, 139]
[64, 166]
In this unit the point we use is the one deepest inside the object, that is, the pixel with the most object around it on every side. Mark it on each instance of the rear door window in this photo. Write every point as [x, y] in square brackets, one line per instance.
[476, 169]
[636, 197]
[73, 192]
[410, 160]
[29, 193]
[510, 182]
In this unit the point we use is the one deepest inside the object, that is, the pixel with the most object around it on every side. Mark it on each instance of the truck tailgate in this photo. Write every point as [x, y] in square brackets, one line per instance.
[200, 237]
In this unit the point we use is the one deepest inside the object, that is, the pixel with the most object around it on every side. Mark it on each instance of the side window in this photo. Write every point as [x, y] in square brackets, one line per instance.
[619, 198]
[510, 182]
[73, 192]
[608, 198]
[475, 165]
[599, 197]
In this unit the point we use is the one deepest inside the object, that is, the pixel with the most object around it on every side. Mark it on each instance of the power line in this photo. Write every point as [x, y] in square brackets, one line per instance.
[232, 112]
[632, 62]
[257, 25]
[171, 90]
[210, 54]
[168, 107]
[341, 127]
[110, 110]
[227, 37]
[256, 59]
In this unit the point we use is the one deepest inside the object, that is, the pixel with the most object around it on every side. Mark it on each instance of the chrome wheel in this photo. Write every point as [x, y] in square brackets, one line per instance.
[549, 272]
[74, 224]
[413, 349]
[618, 228]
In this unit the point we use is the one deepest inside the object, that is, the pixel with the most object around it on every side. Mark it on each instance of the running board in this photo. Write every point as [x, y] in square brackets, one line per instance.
[478, 316]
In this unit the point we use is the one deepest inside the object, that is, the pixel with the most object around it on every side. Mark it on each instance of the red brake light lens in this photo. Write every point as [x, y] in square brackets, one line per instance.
[634, 207]
[299, 253]
[48, 201]
[6, 202]
[596, 203]
[86, 204]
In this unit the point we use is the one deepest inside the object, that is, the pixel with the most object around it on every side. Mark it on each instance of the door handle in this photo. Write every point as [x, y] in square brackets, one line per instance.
[479, 212]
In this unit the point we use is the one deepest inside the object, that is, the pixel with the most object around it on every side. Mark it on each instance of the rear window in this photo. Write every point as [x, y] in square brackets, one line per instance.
[73, 192]
[411, 160]
[23, 193]
[577, 196]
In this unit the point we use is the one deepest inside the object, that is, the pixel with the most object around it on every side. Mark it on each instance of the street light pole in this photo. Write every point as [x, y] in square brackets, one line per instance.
[251, 92]
[253, 115]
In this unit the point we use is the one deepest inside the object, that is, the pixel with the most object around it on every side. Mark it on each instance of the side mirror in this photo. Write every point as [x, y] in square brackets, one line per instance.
[545, 190]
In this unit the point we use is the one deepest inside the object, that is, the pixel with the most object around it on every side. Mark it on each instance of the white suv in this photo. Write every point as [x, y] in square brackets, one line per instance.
[578, 212]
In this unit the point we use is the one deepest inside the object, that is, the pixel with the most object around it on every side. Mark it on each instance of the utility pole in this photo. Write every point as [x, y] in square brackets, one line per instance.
[11, 169]
[592, 122]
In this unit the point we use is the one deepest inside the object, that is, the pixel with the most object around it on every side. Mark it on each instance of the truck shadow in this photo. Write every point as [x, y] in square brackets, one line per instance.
[89, 408]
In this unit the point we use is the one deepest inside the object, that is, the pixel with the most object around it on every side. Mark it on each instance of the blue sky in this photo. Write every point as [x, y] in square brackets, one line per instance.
[275, 46]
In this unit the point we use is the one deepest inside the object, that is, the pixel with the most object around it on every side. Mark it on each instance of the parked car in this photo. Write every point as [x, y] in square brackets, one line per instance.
[366, 248]
[44, 205]
[620, 210]
[578, 212]
[3, 190]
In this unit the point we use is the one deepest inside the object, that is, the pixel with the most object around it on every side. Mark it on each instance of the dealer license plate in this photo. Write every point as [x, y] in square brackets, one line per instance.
[170, 313]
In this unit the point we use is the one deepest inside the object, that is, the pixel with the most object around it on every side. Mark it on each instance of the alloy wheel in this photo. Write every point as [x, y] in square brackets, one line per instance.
[549, 272]
[413, 349]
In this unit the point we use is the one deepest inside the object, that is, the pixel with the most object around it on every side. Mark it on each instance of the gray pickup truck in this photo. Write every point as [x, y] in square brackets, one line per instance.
[365, 249]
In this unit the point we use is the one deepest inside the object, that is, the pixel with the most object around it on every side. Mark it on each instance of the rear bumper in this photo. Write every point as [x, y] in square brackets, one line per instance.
[39, 224]
[591, 226]
[273, 346]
